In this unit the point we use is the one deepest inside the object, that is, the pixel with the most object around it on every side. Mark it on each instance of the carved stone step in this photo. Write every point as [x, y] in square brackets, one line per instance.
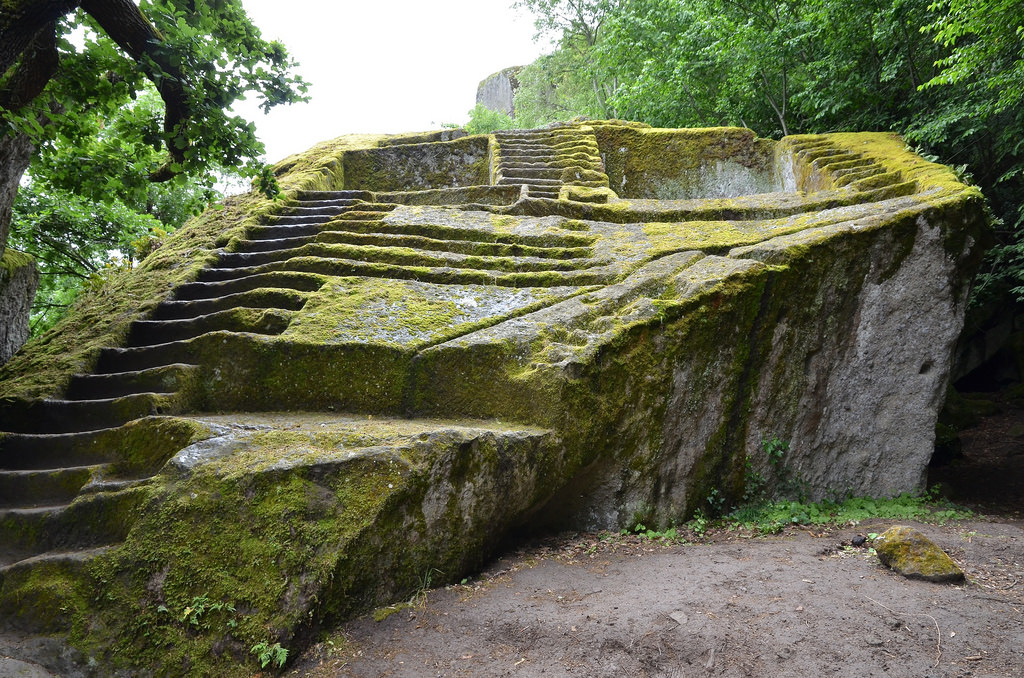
[163, 379]
[282, 280]
[271, 232]
[35, 451]
[89, 521]
[284, 299]
[34, 488]
[459, 246]
[151, 332]
[66, 416]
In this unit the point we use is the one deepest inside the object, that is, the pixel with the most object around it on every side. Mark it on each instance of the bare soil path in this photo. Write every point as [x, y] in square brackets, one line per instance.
[801, 603]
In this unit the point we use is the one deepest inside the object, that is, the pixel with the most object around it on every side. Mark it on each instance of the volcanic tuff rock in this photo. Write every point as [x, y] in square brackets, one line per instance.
[18, 281]
[436, 338]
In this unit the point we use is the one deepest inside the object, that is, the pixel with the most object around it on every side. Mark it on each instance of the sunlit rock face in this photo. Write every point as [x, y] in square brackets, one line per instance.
[300, 406]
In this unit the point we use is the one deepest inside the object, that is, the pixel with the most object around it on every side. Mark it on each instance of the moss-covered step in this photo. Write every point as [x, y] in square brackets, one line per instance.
[283, 521]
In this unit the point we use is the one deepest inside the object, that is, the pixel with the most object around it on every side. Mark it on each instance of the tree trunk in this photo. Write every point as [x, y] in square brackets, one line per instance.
[15, 153]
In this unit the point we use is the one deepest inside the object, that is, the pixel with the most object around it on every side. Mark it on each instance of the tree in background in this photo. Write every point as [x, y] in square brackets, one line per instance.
[947, 74]
[71, 109]
[84, 207]
[573, 78]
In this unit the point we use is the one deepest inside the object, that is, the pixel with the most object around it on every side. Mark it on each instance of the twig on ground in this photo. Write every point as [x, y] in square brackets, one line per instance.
[938, 632]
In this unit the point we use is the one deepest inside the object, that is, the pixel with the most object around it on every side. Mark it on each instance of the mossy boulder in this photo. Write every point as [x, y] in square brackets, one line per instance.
[906, 551]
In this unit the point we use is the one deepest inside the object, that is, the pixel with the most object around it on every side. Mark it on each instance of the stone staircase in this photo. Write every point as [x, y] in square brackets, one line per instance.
[545, 160]
[66, 489]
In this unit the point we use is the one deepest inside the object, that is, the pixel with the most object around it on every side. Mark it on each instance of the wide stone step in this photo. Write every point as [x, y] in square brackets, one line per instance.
[45, 487]
[527, 156]
[66, 416]
[284, 299]
[210, 290]
[152, 332]
[459, 246]
[91, 520]
[454, 233]
[541, 192]
[35, 451]
[163, 379]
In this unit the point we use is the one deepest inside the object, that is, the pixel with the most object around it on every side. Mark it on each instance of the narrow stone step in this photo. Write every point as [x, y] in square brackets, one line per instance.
[284, 299]
[296, 220]
[454, 233]
[75, 559]
[315, 209]
[153, 332]
[282, 280]
[39, 451]
[335, 195]
[522, 173]
[67, 416]
[89, 521]
[163, 379]
[271, 244]
[504, 181]
[448, 275]
[270, 232]
[115, 360]
[34, 488]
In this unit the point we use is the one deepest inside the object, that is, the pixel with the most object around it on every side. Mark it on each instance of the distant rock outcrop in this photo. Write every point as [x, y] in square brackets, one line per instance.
[296, 410]
[497, 91]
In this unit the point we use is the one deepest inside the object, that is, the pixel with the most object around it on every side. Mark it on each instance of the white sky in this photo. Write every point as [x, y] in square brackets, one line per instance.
[385, 65]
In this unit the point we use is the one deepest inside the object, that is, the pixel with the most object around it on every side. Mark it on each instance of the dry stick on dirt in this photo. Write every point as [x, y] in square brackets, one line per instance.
[938, 632]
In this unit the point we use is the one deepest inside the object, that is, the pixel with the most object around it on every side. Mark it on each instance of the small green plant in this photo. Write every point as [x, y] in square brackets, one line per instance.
[641, 530]
[716, 502]
[270, 654]
[201, 611]
[699, 523]
[775, 449]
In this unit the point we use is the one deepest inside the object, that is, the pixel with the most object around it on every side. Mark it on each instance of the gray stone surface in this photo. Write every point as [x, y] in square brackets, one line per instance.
[18, 281]
[497, 91]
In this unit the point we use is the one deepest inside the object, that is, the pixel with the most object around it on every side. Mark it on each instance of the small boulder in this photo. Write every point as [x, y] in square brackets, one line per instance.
[907, 551]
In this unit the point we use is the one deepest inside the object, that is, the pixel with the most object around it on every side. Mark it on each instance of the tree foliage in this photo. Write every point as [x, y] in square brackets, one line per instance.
[947, 74]
[120, 111]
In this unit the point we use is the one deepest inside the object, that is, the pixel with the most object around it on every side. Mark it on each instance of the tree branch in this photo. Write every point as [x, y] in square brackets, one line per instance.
[127, 26]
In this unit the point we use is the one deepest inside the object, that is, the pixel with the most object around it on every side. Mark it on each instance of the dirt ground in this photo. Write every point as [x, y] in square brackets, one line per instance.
[802, 603]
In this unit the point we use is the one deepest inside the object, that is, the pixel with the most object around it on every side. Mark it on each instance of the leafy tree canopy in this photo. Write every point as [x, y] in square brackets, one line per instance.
[200, 57]
[947, 74]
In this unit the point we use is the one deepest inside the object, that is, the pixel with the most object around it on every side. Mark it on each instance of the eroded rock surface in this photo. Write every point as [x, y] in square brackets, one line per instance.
[435, 339]
[18, 281]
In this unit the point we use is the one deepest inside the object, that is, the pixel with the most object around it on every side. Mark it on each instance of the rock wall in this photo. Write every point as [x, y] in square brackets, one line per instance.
[18, 281]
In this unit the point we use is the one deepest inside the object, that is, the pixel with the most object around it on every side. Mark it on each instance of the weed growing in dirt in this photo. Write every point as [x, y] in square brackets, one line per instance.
[669, 535]
[772, 517]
